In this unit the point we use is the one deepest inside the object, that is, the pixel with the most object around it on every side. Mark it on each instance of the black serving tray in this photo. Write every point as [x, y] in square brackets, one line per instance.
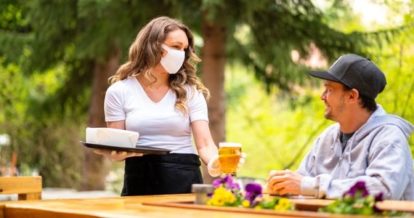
[138, 149]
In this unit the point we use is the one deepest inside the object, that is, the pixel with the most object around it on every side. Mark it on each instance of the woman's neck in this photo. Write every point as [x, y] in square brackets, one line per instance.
[161, 79]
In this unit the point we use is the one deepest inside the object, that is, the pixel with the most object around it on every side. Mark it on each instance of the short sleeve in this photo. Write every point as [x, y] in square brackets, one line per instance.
[113, 105]
[197, 106]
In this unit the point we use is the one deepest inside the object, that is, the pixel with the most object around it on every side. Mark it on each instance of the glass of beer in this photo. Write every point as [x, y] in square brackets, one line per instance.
[229, 156]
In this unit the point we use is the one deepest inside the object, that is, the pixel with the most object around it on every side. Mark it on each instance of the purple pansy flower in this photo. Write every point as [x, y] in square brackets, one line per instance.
[253, 190]
[379, 197]
[227, 182]
[357, 200]
[217, 182]
[359, 187]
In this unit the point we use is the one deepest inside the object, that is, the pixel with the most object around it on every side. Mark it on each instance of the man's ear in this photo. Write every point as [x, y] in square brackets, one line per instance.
[353, 95]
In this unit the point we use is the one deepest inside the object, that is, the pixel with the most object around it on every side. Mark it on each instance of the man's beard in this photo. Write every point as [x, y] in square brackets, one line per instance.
[329, 112]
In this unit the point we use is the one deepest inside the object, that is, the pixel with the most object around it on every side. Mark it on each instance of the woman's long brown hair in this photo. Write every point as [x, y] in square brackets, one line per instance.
[145, 53]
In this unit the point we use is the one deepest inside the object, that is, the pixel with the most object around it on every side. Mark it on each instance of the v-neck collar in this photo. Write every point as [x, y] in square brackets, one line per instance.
[146, 94]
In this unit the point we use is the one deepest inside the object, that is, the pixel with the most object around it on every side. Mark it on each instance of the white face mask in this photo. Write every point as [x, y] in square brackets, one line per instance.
[173, 60]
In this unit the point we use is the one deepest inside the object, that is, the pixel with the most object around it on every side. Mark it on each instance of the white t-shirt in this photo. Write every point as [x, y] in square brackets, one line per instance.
[159, 124]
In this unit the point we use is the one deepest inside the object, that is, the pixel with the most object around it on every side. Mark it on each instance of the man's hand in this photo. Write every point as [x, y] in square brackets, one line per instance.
[116, 155]
[284, 182]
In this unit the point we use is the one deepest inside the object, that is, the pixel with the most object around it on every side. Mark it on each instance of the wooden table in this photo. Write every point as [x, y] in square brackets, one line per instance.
[140, 206]
[109, 207]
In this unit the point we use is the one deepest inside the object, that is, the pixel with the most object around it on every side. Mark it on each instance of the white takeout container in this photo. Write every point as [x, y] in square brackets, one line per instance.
[112, 137]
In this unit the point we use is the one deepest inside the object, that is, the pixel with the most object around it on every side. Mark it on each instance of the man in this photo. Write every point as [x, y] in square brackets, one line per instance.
[366, 144]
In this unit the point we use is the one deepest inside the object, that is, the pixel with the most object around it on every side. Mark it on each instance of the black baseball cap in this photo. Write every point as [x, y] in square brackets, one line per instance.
[355, 72]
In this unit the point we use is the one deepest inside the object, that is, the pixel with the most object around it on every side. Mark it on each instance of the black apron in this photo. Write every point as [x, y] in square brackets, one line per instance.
[161, 174]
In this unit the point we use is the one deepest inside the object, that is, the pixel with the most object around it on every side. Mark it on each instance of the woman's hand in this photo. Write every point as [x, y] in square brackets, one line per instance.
[116, 155]
[213, 165]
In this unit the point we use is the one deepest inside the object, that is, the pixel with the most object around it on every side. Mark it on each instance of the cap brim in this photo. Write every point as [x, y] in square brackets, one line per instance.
[324, 75]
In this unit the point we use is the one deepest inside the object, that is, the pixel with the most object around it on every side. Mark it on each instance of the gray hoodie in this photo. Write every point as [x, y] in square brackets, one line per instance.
[378, 153]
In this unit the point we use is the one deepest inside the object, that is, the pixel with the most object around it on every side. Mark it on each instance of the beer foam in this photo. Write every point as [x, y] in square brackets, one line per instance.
[229, 144]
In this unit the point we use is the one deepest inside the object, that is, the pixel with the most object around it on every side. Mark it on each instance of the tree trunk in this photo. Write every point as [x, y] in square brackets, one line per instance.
[96, 167]
[213, 55]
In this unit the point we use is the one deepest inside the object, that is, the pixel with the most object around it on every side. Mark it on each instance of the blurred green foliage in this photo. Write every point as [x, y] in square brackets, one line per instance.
[274, 133]
[49, 146]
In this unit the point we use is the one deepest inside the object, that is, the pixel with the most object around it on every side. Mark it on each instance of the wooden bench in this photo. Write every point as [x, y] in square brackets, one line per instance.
[26, 187]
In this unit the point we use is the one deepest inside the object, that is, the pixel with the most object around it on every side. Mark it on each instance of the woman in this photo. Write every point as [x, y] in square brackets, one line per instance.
[156, 93]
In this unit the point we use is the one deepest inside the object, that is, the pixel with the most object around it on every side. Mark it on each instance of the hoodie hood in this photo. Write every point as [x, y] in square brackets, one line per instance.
[380, 118]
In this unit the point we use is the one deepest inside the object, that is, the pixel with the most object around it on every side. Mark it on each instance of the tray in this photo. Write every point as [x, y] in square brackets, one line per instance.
[304, 208]
[139, 149]
[191, 205]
